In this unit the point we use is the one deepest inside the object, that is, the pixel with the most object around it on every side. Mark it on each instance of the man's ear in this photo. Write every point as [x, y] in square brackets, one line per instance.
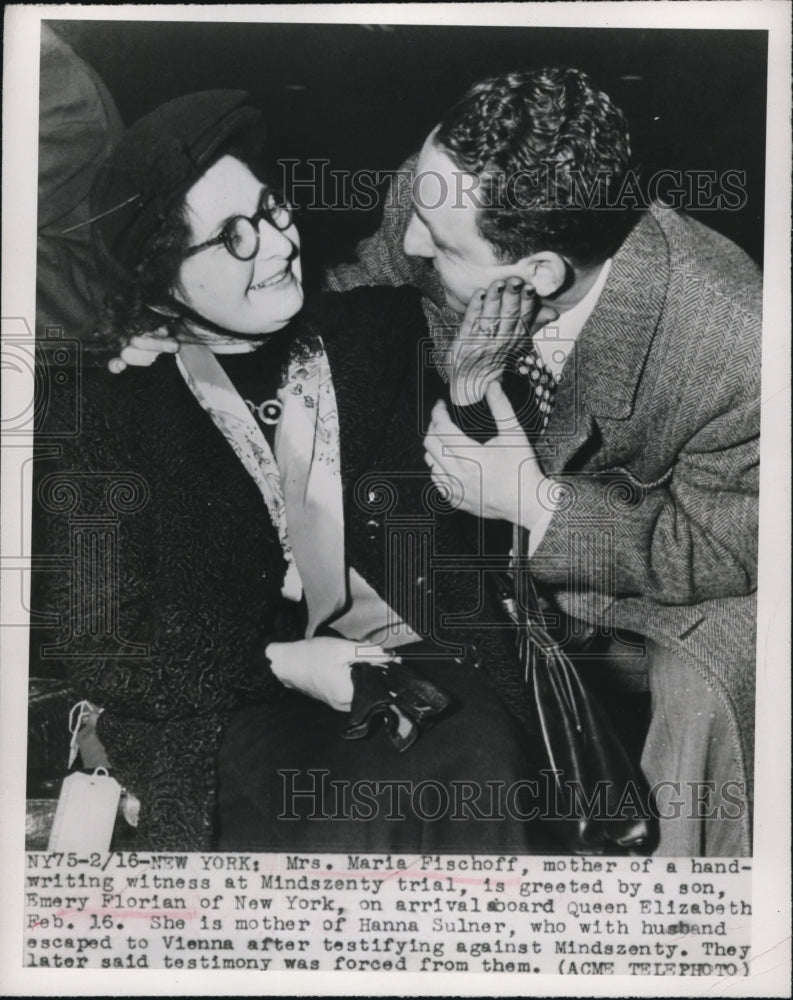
[548, 272]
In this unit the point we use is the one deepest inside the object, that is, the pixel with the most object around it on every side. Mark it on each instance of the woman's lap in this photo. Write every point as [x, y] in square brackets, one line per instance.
[289, 781]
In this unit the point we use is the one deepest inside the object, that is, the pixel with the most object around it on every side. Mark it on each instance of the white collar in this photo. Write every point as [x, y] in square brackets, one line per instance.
[235, 346]
[221, 343]
[554, 341]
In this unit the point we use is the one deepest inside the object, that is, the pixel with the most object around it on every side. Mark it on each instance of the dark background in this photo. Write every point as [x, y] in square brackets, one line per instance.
[366, 96]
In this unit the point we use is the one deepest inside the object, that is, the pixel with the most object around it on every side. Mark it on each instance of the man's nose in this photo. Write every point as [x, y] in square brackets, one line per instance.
[417, 242]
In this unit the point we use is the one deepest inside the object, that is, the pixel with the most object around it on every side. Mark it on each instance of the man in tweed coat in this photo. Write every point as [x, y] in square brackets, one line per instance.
[649, 463]
[641, 492]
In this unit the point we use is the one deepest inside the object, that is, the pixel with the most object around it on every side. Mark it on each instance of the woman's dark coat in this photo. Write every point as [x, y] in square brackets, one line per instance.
[196, 582]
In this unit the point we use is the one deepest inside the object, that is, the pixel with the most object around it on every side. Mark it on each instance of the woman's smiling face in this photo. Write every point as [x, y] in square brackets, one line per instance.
[249, 297]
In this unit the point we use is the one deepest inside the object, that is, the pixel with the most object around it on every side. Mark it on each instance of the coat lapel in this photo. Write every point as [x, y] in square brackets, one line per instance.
[602, 374]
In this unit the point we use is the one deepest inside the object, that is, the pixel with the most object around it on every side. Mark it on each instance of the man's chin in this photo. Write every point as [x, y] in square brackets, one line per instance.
[452, 302]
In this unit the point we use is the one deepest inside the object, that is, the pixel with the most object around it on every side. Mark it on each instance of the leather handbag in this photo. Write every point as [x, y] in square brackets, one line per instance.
[600, 798]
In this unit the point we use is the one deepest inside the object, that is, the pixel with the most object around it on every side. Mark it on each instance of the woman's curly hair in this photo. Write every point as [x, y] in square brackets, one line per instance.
[127, 307]
[552, 154]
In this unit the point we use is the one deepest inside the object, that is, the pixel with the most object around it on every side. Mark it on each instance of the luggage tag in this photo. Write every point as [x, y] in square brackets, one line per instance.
[86, 812]
[87, 805]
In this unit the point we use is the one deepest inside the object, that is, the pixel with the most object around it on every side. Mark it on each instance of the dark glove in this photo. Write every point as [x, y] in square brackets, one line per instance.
[402, 697]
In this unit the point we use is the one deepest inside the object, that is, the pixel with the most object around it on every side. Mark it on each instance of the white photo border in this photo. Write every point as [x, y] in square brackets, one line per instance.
[771, 879]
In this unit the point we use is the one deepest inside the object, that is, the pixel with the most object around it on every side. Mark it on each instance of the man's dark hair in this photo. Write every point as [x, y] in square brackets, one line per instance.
[552, 153]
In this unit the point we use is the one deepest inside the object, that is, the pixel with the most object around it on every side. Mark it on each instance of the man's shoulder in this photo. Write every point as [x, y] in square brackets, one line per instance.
[702, 260]
[685, 279]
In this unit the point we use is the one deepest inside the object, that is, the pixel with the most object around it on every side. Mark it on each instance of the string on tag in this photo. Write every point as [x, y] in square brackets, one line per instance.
[78, 713]
[81, 713]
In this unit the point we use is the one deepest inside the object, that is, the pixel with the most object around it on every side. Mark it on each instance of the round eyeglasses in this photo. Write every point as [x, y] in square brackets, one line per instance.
[240, 235]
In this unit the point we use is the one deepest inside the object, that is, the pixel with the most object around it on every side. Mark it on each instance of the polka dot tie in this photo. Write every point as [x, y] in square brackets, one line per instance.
[543, 384]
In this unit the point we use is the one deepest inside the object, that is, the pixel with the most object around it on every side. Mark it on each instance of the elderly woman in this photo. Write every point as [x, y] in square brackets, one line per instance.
[300, 601]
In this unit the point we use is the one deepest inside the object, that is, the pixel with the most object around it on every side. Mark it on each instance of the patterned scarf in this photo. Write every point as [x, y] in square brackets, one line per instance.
[301, 487]
[303, 482]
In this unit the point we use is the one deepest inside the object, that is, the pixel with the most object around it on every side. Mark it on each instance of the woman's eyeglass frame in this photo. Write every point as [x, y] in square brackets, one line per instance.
[274, 209]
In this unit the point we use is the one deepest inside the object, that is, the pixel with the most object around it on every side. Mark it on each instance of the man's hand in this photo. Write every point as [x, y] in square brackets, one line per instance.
[320, 667]
[495, 324]
[499, 479]
[143, 350]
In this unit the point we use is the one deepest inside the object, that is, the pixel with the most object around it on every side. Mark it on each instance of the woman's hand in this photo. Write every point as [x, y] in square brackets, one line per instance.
[321, 667]
[143, 350]
[495, 322]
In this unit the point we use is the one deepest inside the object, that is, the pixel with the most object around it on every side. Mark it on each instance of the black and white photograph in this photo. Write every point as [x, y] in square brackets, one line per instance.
[396, 498]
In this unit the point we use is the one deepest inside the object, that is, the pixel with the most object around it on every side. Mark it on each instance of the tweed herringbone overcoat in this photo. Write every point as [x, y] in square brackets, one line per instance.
[654, 440]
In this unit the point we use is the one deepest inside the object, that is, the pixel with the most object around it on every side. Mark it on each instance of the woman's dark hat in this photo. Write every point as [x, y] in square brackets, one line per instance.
[155, 164]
